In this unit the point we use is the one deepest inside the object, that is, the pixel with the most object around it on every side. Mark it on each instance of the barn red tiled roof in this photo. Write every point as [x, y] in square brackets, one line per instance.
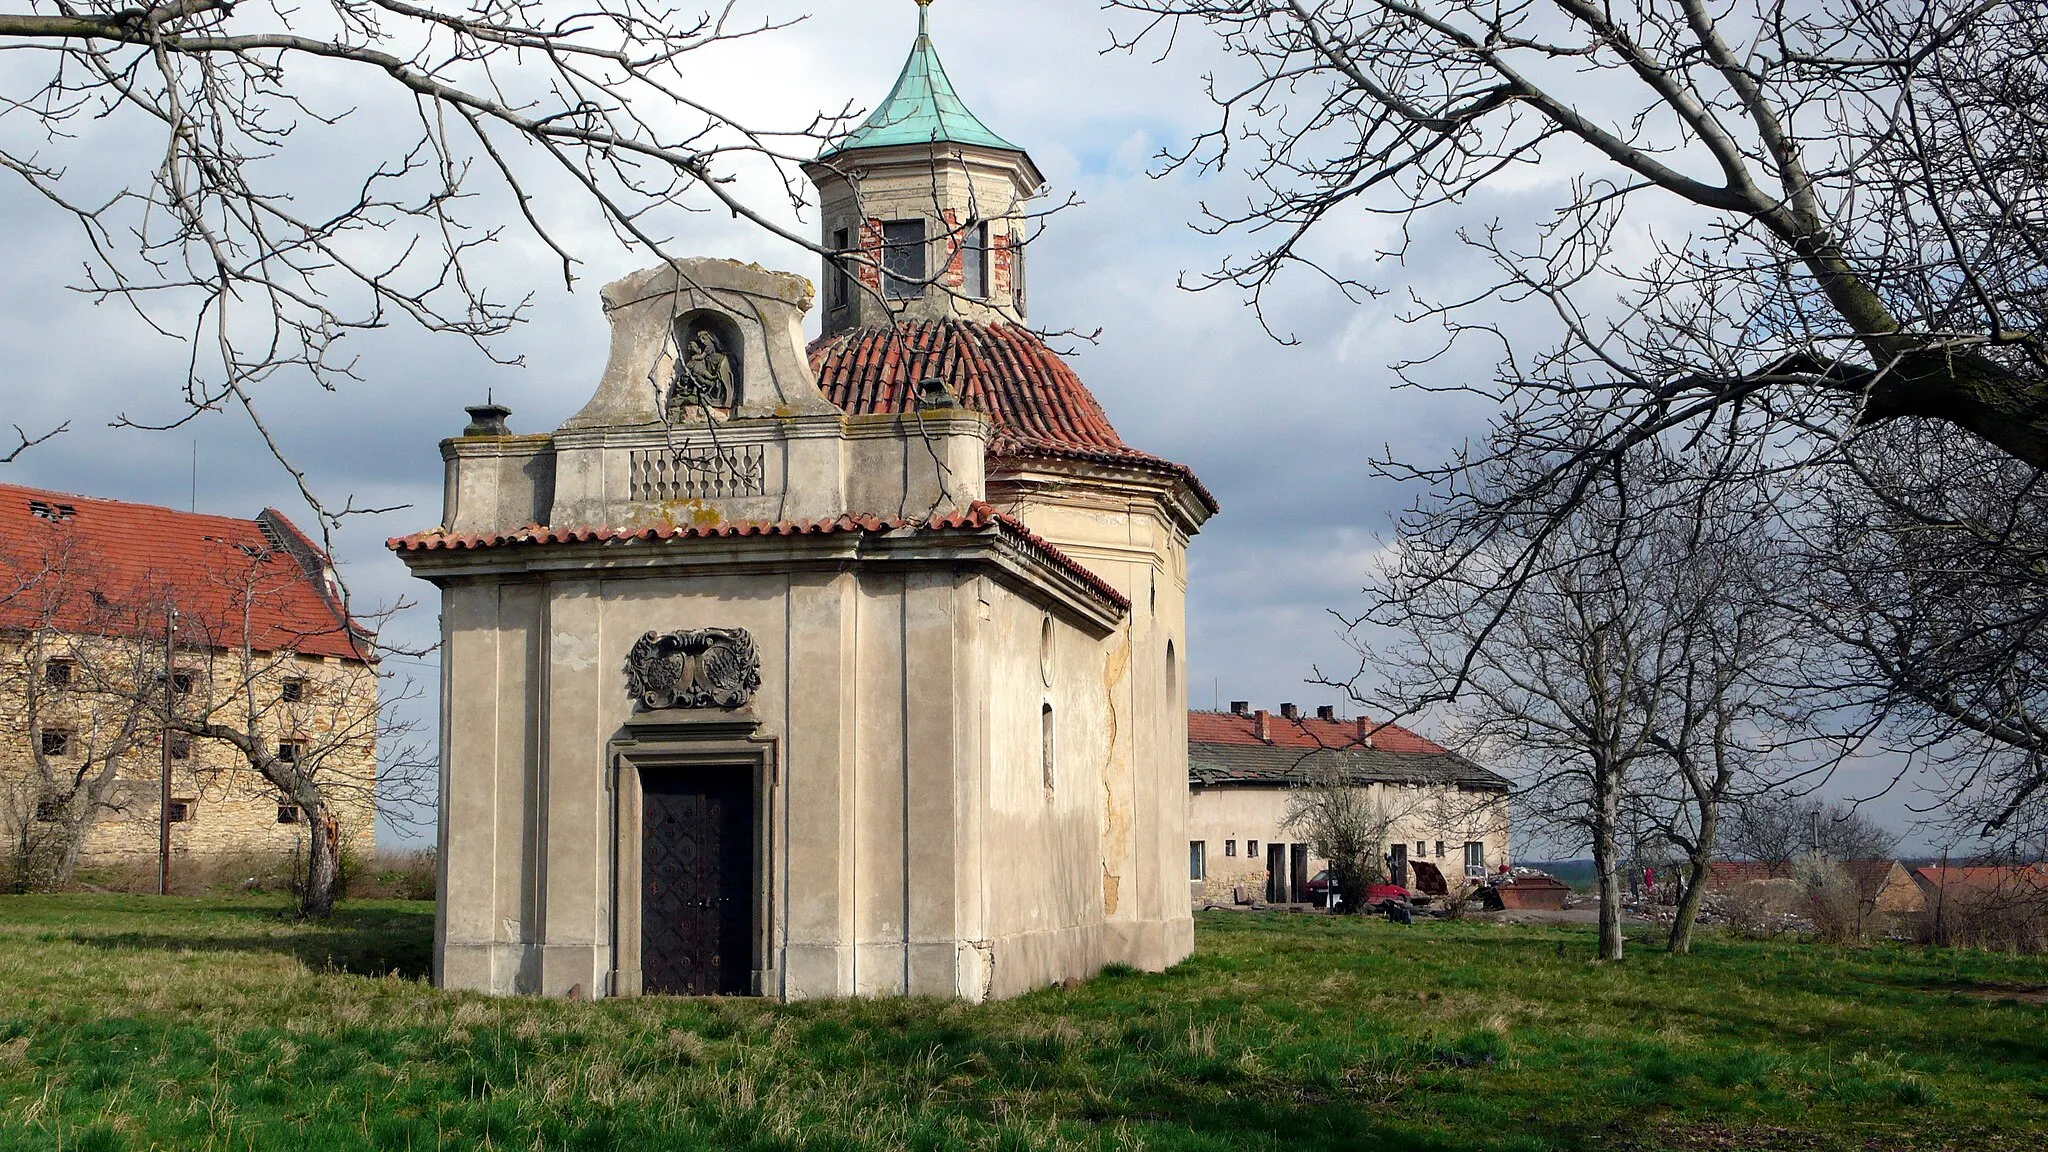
[1303, 732]
[976, 516]
[116, 563]
[1039, 406]
[1225, 750]
[1984, 880]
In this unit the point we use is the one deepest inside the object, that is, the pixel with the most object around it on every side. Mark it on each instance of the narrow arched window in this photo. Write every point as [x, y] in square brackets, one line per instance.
[1045, 746]
[1173, 693]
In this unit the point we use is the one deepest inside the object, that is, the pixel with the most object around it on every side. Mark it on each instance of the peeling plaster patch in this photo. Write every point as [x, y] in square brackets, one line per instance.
[572, 652]
[1116, 810]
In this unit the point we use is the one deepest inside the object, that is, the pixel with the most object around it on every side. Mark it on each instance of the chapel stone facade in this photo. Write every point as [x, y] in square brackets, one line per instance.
[852, 669]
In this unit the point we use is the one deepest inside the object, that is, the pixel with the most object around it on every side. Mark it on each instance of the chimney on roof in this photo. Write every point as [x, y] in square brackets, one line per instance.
[1290, 712]
[1326, 712]
[487, 419]
[1262, 726]
[1240, 707]
[1365, 731]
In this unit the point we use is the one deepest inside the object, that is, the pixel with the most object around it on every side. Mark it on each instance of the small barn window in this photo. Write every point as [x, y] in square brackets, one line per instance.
[1475, 858]
[1045, 749]
[181, 745]
[292, 691]
[48, 810]
[55, 742]
[182, 681]
[1439, 849]
[1421, 850]
[903, 258]
[290, 751]
[180, 811]
[1251, 848]
[287, 813]
[57, 672]
[1230, 847]
[1198, 859]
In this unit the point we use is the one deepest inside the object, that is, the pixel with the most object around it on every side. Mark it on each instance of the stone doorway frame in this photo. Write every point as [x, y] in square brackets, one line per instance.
[683, 738]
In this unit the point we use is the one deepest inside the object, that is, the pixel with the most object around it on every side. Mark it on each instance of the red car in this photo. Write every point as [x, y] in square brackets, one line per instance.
[1375, 895]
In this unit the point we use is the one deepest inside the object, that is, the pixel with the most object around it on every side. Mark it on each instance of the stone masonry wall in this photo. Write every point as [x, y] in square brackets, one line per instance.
[231, 811]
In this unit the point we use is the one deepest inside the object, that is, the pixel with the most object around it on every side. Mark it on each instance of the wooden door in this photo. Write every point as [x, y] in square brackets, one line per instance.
[696, 881]
[1397, 866]
[1276, 874]
[1297, 873]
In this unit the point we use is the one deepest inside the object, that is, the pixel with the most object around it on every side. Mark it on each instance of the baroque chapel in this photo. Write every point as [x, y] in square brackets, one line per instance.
[848, 668]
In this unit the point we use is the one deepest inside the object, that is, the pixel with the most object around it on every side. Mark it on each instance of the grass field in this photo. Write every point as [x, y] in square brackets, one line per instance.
[135, 1022]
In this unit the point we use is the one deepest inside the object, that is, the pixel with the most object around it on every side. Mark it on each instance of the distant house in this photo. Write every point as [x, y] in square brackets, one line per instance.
[1884, 886]
[1982, 885]
[262, 644]
[1451, 815]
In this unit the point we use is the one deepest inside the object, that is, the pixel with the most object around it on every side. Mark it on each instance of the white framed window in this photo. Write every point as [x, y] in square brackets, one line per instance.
[1230, 847]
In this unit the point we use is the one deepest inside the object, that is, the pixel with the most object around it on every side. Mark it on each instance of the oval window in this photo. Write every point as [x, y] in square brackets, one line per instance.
[1045, 650]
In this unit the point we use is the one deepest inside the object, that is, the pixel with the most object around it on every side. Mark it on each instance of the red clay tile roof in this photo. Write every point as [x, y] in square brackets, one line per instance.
[1039, 406]
[1728, 873]
[1224, 749]
[118, 560]
[1231, 728]
[2029, 880]
[976, 516]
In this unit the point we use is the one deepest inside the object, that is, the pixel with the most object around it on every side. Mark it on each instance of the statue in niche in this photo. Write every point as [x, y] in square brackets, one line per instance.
[705, 374]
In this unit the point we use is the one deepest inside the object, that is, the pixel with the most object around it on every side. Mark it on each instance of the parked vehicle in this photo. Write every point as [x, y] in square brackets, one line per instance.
[1375, 895]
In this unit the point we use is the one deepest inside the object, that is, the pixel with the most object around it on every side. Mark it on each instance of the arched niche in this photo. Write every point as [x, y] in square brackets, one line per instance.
[710, 366]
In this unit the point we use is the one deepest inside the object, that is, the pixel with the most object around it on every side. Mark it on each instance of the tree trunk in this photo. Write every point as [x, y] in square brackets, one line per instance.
[1697, 866]
[323, 864]
[1606, 853]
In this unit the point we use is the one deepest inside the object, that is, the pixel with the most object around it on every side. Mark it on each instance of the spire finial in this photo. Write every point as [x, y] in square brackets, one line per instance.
[923, 27]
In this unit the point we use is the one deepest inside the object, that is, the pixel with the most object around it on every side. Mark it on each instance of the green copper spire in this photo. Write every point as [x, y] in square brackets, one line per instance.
[922, 108]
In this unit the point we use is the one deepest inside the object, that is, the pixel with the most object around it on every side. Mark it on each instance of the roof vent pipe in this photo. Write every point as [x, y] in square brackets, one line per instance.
[1262, 726]
[1240, 707]
[1326, 712]
[1290, 712]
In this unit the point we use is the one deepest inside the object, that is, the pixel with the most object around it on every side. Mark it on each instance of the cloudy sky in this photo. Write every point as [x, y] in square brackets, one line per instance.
[1283, 434]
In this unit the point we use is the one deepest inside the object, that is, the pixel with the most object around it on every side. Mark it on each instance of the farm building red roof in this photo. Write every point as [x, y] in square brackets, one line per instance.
[83, 564]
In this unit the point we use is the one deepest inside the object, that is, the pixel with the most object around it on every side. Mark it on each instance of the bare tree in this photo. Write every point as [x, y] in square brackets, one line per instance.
[1734, 714]
[1561, 686]
[82, 686]
[1925, 572]
[1779, 828]
[1346, 823]
[323, 172]
[1801, 225]
[313, 732]
[1865, 177]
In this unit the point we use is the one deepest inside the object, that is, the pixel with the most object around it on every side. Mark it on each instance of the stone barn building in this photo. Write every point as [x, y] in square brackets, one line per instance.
[848, 669]
[259, 642]
[1244, 767]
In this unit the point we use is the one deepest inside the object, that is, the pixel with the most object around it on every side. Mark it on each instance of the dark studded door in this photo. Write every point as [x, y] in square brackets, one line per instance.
[696, 881]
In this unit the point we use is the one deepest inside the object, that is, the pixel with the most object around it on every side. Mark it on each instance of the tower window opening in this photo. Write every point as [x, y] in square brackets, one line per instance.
[839, 290]
[1017, 271]
[974, 262]
[903, 258]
